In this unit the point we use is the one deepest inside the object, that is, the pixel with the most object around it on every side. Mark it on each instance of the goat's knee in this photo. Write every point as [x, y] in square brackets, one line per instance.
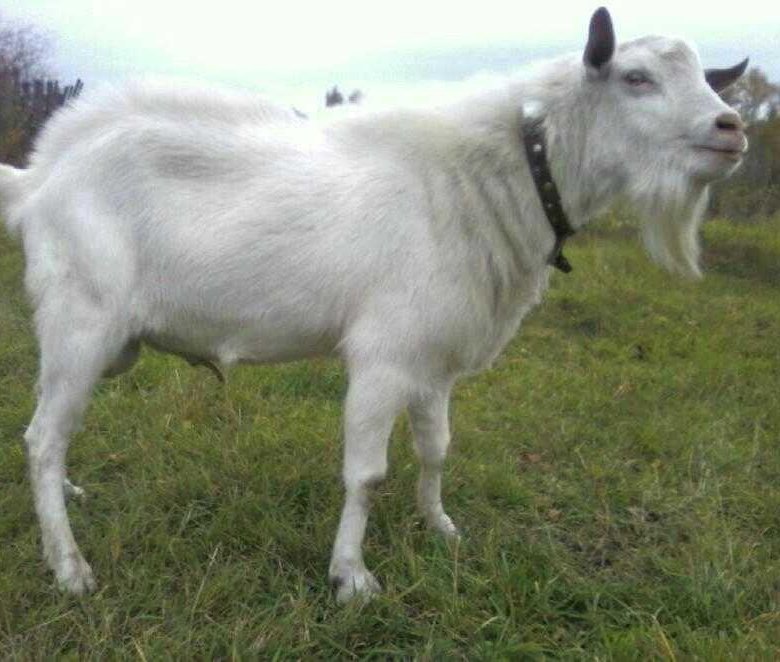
[363, 475]
[432, 452]
[44, 448]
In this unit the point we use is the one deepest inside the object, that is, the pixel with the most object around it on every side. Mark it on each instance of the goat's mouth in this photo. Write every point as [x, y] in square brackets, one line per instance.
[730, 153]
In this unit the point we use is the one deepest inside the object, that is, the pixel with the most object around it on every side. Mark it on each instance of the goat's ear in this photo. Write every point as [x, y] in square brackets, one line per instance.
[720, 79]
[601, 42]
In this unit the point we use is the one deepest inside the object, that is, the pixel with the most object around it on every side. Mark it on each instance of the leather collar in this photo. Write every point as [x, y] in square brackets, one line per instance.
[536, 150]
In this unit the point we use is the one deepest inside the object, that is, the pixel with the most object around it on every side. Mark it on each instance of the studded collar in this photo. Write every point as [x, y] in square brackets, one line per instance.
[536, 151]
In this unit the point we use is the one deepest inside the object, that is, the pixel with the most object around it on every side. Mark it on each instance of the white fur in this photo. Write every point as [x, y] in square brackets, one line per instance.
[409, 242]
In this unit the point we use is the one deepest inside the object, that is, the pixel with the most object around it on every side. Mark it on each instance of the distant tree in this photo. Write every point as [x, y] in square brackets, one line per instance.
[28, 96]
[754, 192]
[754, 97]
[24, 49]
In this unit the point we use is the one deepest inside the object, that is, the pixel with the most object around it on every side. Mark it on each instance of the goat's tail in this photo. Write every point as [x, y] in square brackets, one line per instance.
[10, 194]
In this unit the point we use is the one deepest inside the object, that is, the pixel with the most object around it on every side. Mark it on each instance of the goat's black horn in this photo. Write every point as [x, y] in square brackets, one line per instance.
[720, 79]
[601, 39]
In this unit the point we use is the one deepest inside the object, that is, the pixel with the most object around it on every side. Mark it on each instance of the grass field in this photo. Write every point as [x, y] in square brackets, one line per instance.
[616, 477]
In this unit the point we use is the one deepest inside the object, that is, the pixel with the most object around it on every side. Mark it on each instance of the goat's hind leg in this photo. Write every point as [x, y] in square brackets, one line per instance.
[430, 425]
[121, 363]
[77, 342]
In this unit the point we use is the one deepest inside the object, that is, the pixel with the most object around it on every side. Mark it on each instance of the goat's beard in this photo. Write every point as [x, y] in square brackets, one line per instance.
[672, 208]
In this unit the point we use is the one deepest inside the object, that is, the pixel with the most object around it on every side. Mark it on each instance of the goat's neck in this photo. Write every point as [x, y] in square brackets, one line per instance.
[587, 188]
[587, 181]
[492, 138]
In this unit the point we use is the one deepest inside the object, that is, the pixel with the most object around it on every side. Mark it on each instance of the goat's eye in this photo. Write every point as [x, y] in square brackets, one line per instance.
[637, 78]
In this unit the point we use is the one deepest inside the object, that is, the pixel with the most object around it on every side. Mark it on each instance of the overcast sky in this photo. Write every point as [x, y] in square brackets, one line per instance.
[296, 48]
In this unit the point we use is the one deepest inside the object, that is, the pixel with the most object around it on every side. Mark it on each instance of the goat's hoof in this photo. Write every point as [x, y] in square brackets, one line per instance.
[72, 490]
[75, 576]
[443, 525]
[354, 584]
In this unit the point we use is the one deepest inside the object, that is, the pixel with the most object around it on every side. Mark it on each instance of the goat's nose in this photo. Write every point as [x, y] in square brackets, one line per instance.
[729, 121]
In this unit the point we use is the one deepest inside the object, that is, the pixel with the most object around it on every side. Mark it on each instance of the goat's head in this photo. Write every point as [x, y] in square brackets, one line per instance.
[663, 132]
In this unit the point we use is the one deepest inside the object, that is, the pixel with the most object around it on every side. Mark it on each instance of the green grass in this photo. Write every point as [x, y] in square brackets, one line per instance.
[616, 476]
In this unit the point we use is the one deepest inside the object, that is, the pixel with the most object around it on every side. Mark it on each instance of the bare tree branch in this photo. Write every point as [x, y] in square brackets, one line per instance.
[24, 50]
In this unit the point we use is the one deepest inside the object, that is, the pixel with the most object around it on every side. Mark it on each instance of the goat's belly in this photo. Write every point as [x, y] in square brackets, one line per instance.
[249, 341]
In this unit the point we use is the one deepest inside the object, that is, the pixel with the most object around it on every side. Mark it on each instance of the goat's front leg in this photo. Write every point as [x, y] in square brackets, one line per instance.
[374, 399]
[430, 425]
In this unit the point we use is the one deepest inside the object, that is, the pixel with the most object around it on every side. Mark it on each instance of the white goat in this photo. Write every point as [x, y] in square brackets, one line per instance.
[409, 242]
